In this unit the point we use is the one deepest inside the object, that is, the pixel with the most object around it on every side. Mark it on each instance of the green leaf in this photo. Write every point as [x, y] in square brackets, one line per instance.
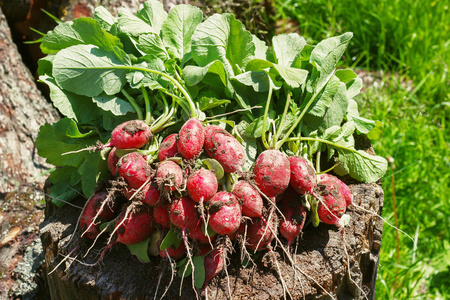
[172, 238]
[62, 188]
[254, 129]
[260, 48]
[151, 43]
[376, 132]
[45, 65]
[345, 75]
[115, 105]
[361, 165]
[354, 87]
[287, 47]
[81, 31]
[132, 25]
[326, 55]
[215, 166]
[104, 18]
[199, 271]
[194, 74]
[293, 77]
[206, 103]
[153, 13]
[325, 98]
[178, 29]
[258, 80]
[136, 79]
[88, 70]
[222, 37]
[140, 250]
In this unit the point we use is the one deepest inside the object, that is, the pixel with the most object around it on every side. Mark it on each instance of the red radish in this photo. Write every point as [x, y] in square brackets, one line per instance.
[272, 172]
[203, 249]
[197, 234]
[136, 226]
[303, 176]
[294, 216]
[259, 236]
[150, 194]
[343, 188]
[183, 213]
[168, 147]
[96, 211]
[135, 169]
[112, 161]
[174, 253]
[202, 185]
[161, 216]
[250, 199]
[131, 134]
[214, 264]
[225, 148]
[169, 175]
[191, 138]
[225, 213]
[332, 204]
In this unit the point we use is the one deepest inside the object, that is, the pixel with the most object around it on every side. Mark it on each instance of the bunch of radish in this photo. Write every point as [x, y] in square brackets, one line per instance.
[197, 210]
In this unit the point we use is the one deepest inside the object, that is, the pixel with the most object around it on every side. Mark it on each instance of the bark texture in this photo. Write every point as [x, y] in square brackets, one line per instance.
[329, 263]
[23, 110]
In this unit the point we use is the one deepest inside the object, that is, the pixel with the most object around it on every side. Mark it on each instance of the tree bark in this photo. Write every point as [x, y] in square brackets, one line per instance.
[23, 110]
[340, 264]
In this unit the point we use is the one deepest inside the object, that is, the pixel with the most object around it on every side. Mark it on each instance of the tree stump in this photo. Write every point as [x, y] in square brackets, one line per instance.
[341, 264]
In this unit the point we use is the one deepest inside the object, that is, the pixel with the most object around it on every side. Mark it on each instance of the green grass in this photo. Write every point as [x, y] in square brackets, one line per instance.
[409, 41]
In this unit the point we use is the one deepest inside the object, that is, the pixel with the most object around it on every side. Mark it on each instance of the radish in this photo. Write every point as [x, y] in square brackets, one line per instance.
[136, 226]
[332, 204]
[168, 147]
[112, 161]
[294, 216]
[303, 176]
[183, 213]
[150, 194]
[191, 138]
[250, 199]
[202, 185]
[214, 264]
[343, 188]
[131, 134]
[197, 234]
[169, 175]
[259, 236]
[272, 172]
[135, 169]
[174, 253]
[225, 148]
[98, 209]
[225, 213]
[161, 216]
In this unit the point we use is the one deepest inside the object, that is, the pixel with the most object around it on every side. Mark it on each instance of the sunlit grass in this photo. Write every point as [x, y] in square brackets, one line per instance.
[409, 42]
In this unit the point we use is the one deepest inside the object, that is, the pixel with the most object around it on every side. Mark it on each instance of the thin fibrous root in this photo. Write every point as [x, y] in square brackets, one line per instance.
[283, 283]
[66, 257]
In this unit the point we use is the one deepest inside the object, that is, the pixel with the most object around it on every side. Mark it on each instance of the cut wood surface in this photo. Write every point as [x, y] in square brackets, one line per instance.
[321, 263]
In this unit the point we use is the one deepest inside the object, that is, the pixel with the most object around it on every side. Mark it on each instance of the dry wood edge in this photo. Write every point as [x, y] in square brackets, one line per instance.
[320, 255]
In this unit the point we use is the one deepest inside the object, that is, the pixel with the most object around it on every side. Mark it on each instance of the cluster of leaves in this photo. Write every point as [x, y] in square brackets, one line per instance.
[102, 70]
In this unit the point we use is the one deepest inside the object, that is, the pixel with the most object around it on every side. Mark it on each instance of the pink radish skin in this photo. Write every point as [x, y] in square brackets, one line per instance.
[225, 148]
[214, 264]
[259, 236]
[225, 213]
[332, 205]
[161, 216]
[131, 135]
[303, 176]
[168, 147]
[135, 169]
[272, 172]
[174, 253]
[191, 138]
[343, 188]
[251, 200]
[294, 216]
[91, 209]
[136, 227]
[150, 194]
[197, 234]
[170, 175]
[183, 213]
[112, 161]
[202, 185]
